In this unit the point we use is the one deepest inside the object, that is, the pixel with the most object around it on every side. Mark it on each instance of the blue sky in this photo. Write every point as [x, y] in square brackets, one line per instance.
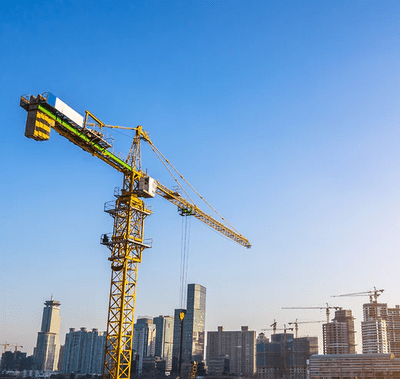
[283, 115]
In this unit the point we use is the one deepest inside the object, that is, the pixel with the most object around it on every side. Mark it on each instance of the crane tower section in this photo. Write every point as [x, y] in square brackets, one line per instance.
[126, 246]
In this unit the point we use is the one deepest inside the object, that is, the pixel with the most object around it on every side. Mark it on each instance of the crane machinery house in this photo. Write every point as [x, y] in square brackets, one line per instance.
[147, 186]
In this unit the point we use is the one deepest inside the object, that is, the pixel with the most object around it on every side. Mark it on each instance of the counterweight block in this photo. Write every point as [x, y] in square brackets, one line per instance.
[38, 125]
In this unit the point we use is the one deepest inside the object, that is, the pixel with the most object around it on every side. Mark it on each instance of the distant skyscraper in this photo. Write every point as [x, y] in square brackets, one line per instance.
[164, 339]
[193, 328]
[339, 335]
[238, 346]
[194, 324]
[48, 341]
[144, 341]
[83, 352]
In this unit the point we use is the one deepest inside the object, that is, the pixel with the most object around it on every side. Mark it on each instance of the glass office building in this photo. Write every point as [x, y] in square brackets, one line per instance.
[193, 333]
[194, 324]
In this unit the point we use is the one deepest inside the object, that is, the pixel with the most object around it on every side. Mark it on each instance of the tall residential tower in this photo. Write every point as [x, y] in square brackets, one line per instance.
[83, 352]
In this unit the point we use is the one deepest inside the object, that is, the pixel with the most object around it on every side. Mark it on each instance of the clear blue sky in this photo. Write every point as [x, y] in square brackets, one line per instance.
[284, 115]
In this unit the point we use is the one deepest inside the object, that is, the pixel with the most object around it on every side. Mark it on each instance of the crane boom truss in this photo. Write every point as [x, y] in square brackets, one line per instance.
[192, 209]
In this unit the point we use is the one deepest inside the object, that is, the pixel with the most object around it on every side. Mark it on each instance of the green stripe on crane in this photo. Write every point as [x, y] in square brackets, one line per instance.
[75, 131]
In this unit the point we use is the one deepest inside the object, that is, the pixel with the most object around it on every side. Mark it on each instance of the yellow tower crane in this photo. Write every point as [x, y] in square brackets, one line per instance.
[16, 349]
[373, 294]
[373, 298]
[327, 310]
[126, 244]
[5, 345]
[296, 325]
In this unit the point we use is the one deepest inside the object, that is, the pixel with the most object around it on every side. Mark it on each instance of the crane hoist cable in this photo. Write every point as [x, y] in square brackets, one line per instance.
[159, 155]
[194, 190]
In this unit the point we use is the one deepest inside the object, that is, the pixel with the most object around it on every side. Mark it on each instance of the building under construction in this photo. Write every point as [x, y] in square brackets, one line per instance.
[285, 356]
[381, 329]
[339, 334]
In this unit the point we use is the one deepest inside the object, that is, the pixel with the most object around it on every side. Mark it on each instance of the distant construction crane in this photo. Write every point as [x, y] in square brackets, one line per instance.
[296, 325]
[5, 345]
[327, 310]
[373, 298]
[274, 329]
[126, 243]
[373, 294]
[16, 349]
[273, 326]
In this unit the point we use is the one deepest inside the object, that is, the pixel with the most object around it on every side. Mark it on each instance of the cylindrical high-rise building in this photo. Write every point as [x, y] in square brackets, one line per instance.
[48, 342]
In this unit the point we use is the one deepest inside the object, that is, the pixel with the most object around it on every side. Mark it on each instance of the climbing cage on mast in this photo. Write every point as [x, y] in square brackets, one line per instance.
[126, 245]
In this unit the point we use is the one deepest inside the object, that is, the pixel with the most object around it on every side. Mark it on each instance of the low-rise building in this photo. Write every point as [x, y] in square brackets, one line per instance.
[352, 366]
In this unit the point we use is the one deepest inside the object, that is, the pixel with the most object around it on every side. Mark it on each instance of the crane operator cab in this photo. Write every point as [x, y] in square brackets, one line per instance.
[147, 186]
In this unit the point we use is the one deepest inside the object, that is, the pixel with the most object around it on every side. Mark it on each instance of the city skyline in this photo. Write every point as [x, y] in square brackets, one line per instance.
[389, 315]
[298, 101]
